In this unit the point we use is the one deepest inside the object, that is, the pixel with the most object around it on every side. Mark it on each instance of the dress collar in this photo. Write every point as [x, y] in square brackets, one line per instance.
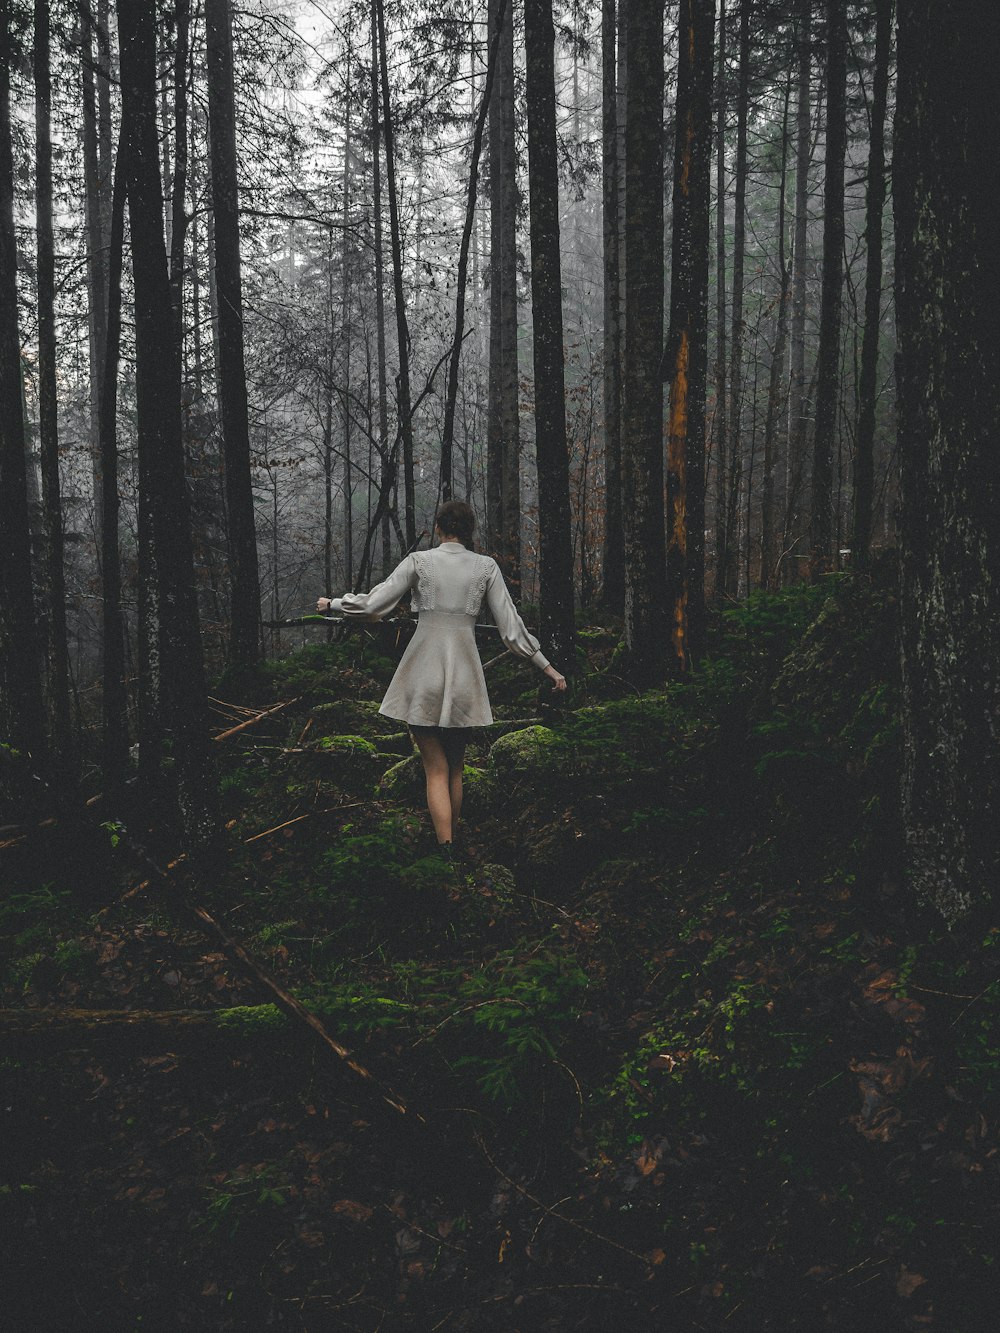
[451, 546]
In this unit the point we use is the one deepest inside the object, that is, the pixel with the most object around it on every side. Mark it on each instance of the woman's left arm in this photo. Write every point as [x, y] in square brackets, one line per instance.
[380, 600]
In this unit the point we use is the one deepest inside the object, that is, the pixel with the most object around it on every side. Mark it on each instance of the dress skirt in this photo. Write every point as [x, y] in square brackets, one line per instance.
[439, 681]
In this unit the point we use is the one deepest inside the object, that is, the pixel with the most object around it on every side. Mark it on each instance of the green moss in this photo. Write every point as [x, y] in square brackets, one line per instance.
[252, 1019]
[353, 745]
[404, 781]
[520, 753]
[351, 716]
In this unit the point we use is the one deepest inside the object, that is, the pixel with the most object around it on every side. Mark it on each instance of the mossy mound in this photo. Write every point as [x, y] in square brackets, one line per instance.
[403, 781]
[352, 716]
[825, 740]
[352, 763]
[520, 754]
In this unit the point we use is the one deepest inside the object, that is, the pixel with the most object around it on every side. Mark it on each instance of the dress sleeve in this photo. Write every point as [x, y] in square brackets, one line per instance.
[509, 623]
[382, 598]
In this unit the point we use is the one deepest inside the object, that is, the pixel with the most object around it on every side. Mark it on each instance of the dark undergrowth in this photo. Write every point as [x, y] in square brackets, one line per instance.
[678, 1049]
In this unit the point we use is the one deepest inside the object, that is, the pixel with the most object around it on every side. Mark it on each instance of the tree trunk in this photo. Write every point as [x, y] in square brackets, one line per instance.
[864, 458]
[947, 126]
[687, 346]
[642, 389]
[403, 409]
[114, 708]
[383, 392]
[828, 358]
[798, 411]
[613, 583]
[96, 259]
[345, 330]
[61, 739]
[767, 506]
[241, 529]
[178, 221]
[179, 664]
[721, 528]
[551, 450]
[503, 439]
[734, 553]
[451, 394]
[21, 708]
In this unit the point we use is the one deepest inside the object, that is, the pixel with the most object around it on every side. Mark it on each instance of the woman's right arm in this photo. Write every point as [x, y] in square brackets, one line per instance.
[513, 630]
[380, 600]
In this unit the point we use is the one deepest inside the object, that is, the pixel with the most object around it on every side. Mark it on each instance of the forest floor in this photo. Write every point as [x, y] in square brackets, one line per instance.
[678, 1049]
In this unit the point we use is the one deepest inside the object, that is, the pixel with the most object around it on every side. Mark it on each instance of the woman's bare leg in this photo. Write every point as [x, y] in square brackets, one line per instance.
[454, 748]
[437, 773]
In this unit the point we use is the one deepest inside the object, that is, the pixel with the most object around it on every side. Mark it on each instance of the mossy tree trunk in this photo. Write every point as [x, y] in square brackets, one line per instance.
[642, 388]
[178, 664]
[687, 349]
[241, 530]
[948, 380]
[828, 356]
[21, 707]
[551, 450]
[864, 460]
[503, 483]
[613, 577]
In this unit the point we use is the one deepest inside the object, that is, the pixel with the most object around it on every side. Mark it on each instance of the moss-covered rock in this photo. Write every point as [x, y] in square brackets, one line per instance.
[403, 781]
[519, 754]
[351, 716]
[352, 762]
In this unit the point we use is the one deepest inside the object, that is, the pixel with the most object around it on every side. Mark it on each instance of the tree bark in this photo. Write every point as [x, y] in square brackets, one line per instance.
[798, 419]
[767, 497]
[864, 458]
[114, 710]
[241, 528]
[61, 737]
[503, 424]
[179, 665]
[720, 443]
[642, 388]
[451, 394]
[613, 579]
[21, 706]
[947, 126]
[828, 359]
[551, 449]
[96, 258]
[403, 406]
[734, 553]
[179, 217]
[687, 346]
[383, 393]
[346, 330]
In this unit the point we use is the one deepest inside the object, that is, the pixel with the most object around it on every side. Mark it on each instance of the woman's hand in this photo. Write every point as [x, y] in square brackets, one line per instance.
[323, 604]
[554, 675]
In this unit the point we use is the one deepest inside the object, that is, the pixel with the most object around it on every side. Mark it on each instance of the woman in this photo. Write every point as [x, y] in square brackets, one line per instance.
[439, 688]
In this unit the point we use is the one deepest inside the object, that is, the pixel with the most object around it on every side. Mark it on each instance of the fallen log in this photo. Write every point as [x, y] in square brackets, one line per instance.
[251, 722]
[270, 986]
[60, 1028]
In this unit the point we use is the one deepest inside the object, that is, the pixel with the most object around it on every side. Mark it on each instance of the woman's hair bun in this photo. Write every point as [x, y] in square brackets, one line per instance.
[456, 519]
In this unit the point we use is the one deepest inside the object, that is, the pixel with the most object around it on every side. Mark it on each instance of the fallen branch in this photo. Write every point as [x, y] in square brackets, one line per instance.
[273, 988]
[23, 831]
[60, 1027]
[259, 717]
[298, 819]
[551, 1212]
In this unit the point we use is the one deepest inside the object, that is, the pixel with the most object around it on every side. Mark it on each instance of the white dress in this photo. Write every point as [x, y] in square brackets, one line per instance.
[439, 681]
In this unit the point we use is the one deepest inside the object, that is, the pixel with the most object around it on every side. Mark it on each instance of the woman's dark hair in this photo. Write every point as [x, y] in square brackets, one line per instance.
[456, 519]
